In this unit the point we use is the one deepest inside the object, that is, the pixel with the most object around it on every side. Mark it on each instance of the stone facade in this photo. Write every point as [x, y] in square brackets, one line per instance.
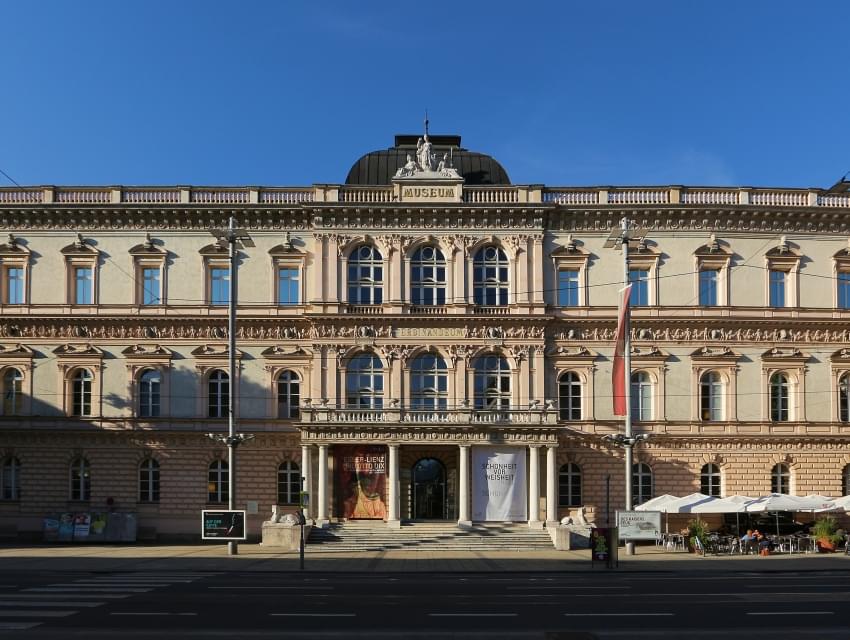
[120, 282]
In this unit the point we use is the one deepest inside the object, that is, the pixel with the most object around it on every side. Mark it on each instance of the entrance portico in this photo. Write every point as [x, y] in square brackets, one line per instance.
[429, 474]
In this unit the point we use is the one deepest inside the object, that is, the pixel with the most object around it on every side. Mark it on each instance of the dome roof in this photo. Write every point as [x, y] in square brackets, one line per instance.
[379, 167]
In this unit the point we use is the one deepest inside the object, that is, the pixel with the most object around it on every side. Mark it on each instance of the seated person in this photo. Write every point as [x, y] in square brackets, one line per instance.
[764, 544]
[748, 541]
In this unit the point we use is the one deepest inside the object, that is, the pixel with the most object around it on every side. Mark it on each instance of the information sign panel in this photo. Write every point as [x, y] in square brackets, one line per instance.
[639, 525]
[223, 525]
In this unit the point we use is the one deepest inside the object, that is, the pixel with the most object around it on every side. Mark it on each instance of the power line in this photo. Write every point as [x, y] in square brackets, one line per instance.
[11, 179]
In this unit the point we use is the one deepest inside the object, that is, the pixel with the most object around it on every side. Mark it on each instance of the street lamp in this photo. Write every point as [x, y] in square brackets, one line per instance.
[232, 238]
[620, 237]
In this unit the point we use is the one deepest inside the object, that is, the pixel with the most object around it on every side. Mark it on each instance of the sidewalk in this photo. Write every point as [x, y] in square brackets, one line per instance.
[254, 557]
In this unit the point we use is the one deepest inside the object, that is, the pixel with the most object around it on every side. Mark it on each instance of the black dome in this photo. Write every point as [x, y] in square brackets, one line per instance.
[378, 167]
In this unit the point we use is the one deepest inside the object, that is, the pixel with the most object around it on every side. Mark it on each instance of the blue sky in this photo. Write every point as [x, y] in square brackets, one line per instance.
[751, 93]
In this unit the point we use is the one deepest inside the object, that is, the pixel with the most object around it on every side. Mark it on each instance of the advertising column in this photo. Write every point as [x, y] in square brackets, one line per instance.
[499, 490]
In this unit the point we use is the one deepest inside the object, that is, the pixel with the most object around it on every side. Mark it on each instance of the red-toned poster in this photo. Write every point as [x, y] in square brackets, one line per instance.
[362, 481]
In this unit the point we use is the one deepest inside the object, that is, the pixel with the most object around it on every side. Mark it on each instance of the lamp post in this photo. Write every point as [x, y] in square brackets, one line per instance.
[233, 238]
[621, 238]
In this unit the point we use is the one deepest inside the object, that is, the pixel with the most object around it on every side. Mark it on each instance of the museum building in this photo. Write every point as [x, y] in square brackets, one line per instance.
[412, 338]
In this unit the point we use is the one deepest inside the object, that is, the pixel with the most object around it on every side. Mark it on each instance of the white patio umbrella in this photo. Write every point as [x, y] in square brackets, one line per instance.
[837, 505]
[688, 503]
[776, 502]
[730, 504]
[656, 503]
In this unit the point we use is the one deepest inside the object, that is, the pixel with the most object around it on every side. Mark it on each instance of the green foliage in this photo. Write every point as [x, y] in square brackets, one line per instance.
[825, 528]
[697, 528]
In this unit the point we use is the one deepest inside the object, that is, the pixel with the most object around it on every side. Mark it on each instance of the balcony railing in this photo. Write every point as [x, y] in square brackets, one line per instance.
[317, 412]
[489, 195]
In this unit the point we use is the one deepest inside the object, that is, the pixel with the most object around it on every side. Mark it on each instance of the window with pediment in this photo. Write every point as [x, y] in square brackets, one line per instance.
[365, 275]
[288, 395]
[782, 269]
[490, 283]
[81, 267]
[491, 382]
[149, 263]
[712, 268]
[428, 276]
[14, 272]
[364, 382]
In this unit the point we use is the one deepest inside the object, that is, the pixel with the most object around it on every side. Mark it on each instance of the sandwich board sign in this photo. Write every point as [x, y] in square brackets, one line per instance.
[223, 525]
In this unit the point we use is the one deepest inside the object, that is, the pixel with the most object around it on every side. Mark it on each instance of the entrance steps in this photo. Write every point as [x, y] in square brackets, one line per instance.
[360, 535]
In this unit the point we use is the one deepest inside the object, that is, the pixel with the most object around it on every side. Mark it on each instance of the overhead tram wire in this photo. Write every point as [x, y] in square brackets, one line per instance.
[11, 179]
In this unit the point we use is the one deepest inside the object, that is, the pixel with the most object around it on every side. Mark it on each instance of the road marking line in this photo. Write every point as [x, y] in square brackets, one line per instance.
[540, 587]
[49, 604]
[314, 615]
[150, 613]
[790, 613]
[30, 596]
[616, 615]
[23, 613]
[278, 587]
[68, 590]
[17, 626]
[8, 586]
[473, 615]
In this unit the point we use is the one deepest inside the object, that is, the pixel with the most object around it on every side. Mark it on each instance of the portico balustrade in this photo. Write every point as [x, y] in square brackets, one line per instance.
[459, 416]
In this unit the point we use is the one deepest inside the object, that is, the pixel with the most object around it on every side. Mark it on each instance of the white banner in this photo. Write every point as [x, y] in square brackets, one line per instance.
[499, 490]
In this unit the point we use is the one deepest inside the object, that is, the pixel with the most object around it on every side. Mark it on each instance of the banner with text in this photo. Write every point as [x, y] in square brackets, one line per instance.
[362, 481]
[499, 484]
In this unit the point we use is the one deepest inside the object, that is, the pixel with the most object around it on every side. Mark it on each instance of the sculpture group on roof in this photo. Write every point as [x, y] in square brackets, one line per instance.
[426, 163]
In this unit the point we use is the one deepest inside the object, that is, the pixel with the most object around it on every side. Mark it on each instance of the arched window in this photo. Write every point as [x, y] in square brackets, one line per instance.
[149, 480]
[844, 399]
[288, 483]
[492, 383]
[10, 479]
[428, 277]
[845, 481]
[709, 480]
[365, 276]
[780, 479]
[364, 382]
[429, 383]
[641, 396]
[490, 277]
[81, 393]
[80, 480]
[711, 396]
[569, 396]
[217, 481]
[779, 398]
[641, 483]
[12, 392]
[288, 395]
[218, 388]
[569, 485]
[150, 383]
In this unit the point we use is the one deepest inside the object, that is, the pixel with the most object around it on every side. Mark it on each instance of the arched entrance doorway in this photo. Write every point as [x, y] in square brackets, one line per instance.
[429, 490]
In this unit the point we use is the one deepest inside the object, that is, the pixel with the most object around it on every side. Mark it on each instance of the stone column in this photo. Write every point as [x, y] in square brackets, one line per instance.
[551, 487]
[331, 265]
[534, 487]
[316, 374]
[322, 519]
[464, 520]
[393, 520]
[306, 485]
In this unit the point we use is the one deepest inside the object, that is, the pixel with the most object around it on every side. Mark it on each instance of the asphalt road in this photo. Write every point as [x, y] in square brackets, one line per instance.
[573, 606]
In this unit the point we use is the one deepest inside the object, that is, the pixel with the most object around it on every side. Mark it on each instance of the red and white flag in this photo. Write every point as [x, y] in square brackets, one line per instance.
[618, 372]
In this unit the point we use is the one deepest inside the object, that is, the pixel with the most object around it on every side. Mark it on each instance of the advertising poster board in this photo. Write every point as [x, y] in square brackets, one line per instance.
[82, 526]
[639, 525]
[362, 481]
[51, 528]
[499, 490]
[97, 530]
[223, 525]
[603, 547]
[66, 527]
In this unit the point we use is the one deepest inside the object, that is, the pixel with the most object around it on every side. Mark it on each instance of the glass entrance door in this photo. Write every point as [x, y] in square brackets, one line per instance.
[429, 490]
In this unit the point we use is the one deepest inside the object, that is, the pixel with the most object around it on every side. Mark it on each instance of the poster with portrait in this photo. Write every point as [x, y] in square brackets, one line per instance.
[499, 484]
[362, 481]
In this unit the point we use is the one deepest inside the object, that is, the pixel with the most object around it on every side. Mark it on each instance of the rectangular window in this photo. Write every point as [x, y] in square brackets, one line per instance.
[14, 285]
[639, 279]
[708, 287]
[83, 285]
[777, 288]
[568, 287]
[219, 285]
[151, 288]
[844, 289]
[287, 286]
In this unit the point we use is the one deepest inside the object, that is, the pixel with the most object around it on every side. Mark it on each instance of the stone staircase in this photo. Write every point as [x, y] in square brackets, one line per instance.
[360, 535]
